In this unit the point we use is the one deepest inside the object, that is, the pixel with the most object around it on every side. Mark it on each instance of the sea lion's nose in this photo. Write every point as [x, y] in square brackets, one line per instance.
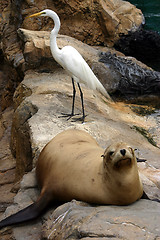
[123, 151]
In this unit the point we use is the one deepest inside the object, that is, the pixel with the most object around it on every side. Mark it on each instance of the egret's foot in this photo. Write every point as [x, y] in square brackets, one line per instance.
[81, 119]
[67, 115]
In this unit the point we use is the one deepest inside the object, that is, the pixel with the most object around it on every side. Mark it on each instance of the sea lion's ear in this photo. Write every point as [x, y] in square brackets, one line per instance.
[102, 155]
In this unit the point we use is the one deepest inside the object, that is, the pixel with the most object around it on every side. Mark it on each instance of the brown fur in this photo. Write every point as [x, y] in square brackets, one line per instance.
[71, 167]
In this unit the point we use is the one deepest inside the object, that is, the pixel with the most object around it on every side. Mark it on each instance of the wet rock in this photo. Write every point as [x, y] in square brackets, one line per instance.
[142, 44]
[135, 79]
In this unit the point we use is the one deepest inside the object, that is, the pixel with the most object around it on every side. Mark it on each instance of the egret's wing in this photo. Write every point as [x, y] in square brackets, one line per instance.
[73, 62]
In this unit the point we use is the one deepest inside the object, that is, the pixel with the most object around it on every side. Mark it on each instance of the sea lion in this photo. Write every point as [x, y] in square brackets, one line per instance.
[73, 166]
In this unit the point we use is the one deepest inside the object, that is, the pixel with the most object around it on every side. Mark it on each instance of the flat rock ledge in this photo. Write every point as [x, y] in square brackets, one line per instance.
[39, 101]
[80, 221]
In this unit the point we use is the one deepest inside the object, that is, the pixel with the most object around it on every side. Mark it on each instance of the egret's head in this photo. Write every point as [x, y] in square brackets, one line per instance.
[44, 13]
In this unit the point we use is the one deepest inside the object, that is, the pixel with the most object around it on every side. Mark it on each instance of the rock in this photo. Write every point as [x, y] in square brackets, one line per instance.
[7, 196]
[142, 44]
[7, 84]
[135, 79]
[11, 46]
[151, 173]
[7, 161]
[20, 134]
[93, 22]
[78, 221]
[7, 166]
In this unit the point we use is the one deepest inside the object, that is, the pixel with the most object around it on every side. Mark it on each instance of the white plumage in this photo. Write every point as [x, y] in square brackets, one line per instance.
[71, 60]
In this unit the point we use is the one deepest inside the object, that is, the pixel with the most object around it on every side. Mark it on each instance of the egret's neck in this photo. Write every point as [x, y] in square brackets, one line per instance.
[54, 33]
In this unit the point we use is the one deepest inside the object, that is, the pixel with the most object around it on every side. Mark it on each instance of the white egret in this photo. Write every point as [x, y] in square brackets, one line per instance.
[71, 60]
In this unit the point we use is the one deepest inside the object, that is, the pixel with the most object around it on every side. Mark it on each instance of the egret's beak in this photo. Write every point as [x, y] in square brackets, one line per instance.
[35, 15]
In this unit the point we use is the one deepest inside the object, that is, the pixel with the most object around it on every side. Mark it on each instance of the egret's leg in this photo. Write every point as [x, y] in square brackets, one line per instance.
[73, 101]
[74, 94]
[81, 94]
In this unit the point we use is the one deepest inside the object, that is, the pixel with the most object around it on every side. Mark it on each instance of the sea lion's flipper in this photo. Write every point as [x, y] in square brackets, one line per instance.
[144, 196]
[31, 212]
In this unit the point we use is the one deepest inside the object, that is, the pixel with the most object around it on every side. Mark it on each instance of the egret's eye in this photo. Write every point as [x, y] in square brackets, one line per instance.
[111, 153]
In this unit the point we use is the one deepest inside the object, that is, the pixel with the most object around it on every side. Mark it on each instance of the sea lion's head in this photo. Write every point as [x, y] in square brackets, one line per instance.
[119, 156]
[121, 171]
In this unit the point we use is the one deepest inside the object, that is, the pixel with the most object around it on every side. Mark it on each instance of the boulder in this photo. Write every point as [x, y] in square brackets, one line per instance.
[134, 78]
[82, 221]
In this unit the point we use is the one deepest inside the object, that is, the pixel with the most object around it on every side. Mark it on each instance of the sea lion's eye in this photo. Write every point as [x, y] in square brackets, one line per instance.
[111, 153]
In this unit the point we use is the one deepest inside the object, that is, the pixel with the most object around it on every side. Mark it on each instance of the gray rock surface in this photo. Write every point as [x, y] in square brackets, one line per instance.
[74, 220]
